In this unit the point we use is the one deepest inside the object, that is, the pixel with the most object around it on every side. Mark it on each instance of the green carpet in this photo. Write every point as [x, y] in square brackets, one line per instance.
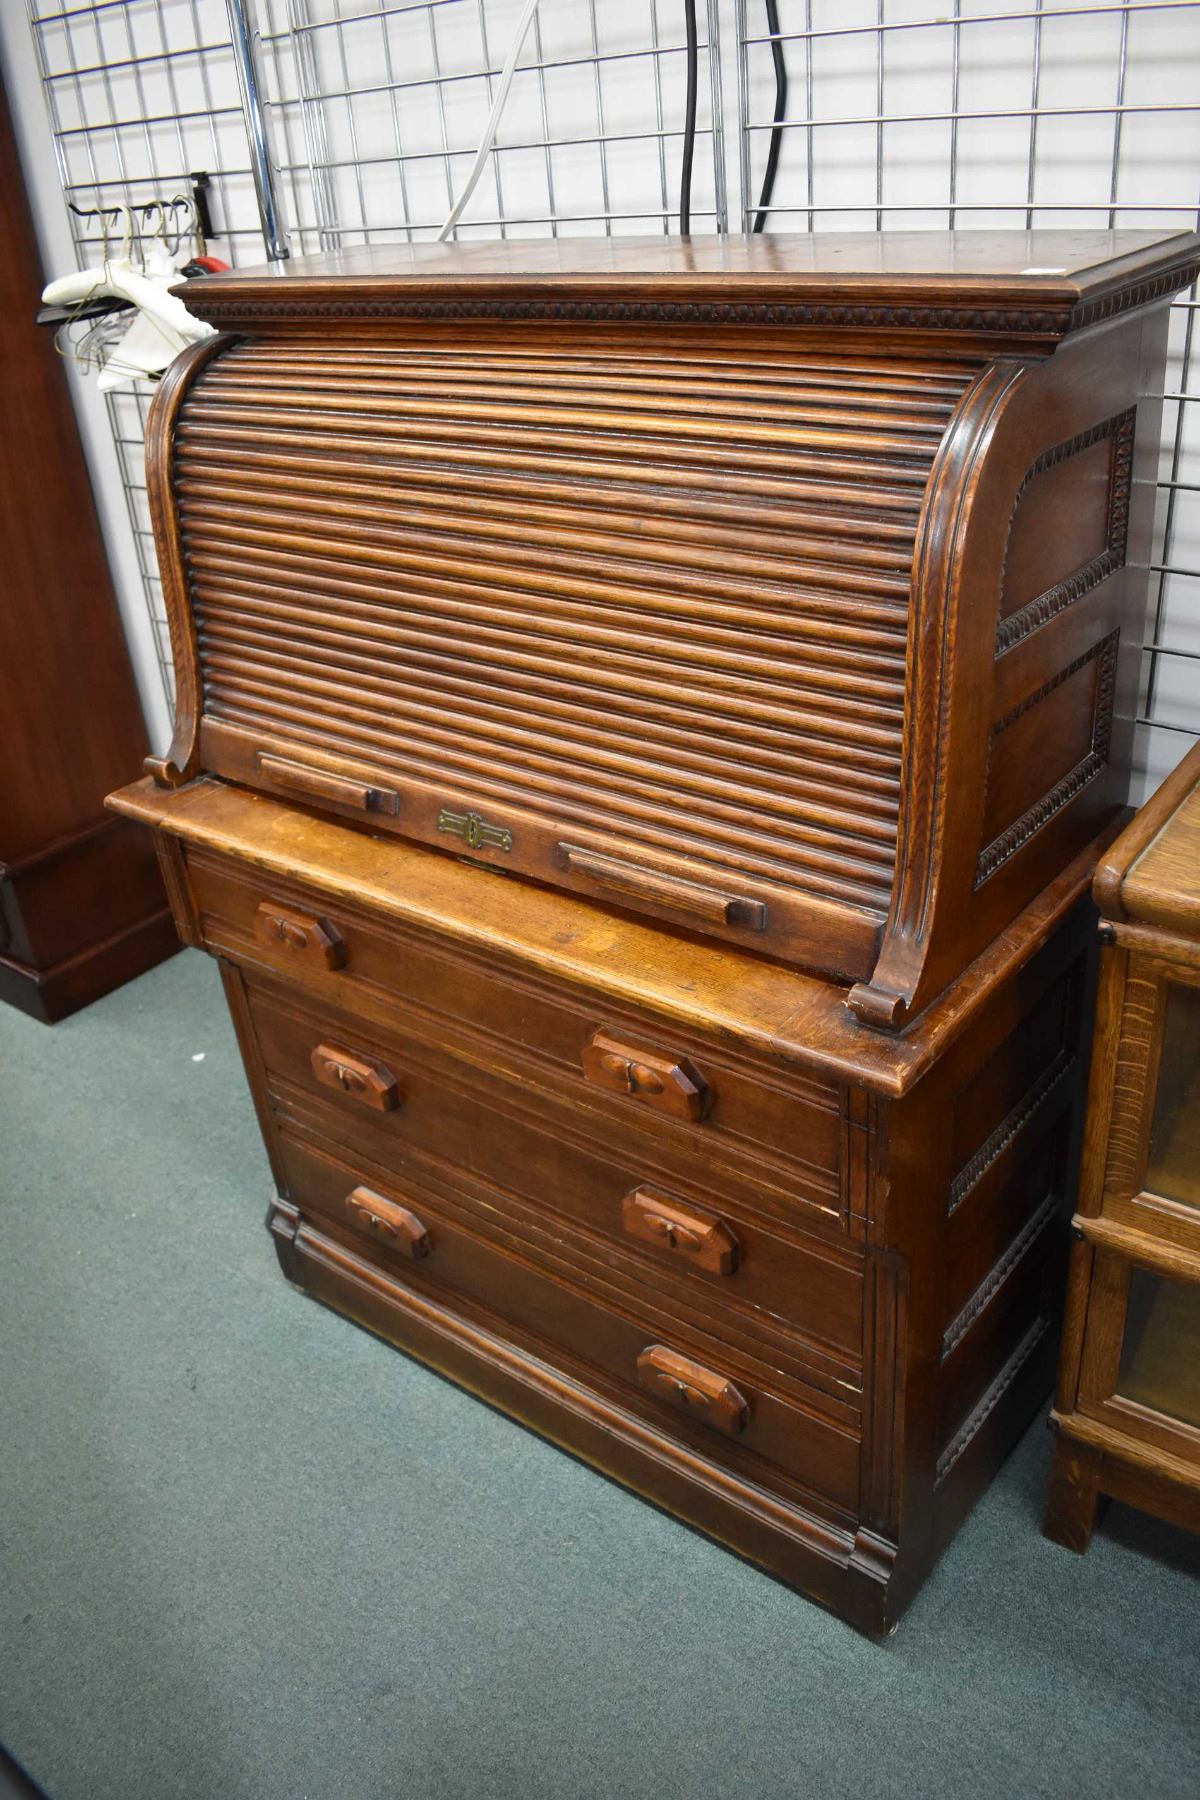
[246, 1550]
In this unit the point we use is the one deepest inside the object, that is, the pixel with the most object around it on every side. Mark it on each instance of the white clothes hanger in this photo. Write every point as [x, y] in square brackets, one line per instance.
[163, 327]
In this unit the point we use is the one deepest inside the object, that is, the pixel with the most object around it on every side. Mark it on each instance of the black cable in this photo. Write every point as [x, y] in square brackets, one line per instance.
[689, 120]
[768, 185]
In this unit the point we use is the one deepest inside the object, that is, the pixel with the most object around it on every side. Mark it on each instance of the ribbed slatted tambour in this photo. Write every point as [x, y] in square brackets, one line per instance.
[779, 589]
[638, 594]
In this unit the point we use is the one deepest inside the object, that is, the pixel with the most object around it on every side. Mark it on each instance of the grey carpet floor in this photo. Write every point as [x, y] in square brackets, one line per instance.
[246, 1550]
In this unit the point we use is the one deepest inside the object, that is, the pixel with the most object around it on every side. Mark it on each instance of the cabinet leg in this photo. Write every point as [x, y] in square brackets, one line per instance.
[1074, 1494]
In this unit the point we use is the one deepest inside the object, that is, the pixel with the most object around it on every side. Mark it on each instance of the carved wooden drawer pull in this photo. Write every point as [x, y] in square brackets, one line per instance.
[700, 1237]
[302, 934]
[363, 1080]
[699, 1391]
[386, 1220]
[690, 897]
[318, 784]
[670, 1084]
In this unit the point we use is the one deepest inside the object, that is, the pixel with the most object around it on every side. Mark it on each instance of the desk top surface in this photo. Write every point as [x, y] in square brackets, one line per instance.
[780, 1012]
[1036, 262]
[1002, 286]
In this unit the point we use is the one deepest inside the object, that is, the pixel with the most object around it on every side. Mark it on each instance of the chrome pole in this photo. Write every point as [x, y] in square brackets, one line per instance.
[244, 31]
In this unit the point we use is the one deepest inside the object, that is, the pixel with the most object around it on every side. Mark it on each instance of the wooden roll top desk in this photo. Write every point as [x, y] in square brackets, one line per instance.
[771, 610]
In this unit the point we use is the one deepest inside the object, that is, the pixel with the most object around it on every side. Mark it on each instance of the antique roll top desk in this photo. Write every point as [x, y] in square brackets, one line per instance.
[769, 609]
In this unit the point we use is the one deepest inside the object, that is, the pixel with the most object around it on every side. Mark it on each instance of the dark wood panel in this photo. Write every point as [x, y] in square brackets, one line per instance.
[82, 907]
[1054, 738]
[1072, 510]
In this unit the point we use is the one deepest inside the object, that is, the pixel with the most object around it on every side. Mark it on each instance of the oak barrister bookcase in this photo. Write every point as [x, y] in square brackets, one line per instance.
[770, 608]
[1127, 1414]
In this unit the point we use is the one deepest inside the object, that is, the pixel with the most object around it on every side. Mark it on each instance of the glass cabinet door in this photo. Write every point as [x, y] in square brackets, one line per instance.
[1151, 1182]
[1140, 1368]
[1160, 1351]
[1173, 1154]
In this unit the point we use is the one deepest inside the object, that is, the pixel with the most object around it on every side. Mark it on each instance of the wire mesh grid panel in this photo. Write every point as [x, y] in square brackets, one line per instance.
[1001, 113]
[377, 111]
[379, 106]
[993, 112]
[142, 96]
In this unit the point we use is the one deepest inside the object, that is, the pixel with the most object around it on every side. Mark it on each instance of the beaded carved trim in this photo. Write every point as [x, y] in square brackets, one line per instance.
[1044, 607]
[1017, 835]
[996, 1277]
[992, 1149]
[975, 1421]
[1050, 321]
[663, 312]
[1093, 312]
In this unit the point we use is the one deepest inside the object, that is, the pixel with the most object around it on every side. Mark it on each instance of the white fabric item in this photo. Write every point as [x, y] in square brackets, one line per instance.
[162, 326]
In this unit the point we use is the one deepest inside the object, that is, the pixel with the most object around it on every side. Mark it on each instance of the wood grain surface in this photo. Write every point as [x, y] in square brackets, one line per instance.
[1127, 1412]
[789, 593]
[808, 1301]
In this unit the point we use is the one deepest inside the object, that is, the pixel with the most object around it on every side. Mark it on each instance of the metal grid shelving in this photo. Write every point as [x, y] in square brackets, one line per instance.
[380, 106]
[140, 96]
[901, 114]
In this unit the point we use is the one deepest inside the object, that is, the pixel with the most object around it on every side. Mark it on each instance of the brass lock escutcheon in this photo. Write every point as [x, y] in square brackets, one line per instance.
[475, 832]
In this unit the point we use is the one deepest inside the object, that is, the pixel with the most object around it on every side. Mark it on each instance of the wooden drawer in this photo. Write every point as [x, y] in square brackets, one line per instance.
[767, 1129]
[708, 1393]
[427, 1115]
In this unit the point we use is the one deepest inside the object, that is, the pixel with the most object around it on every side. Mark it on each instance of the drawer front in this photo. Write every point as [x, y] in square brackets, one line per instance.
[706, 1392]
[422, 1110]
[701, 1108]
